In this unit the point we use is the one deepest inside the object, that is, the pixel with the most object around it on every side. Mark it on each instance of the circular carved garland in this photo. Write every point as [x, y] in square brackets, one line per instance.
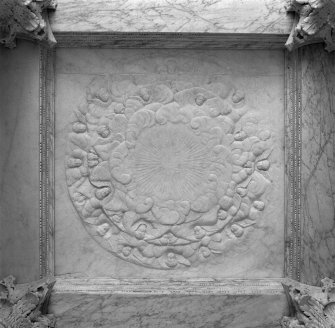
[165, 174]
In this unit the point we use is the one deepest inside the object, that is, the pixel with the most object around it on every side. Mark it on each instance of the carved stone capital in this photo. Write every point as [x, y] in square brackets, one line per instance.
[25, 305]
[312, 307]
[27, 19]
[314, 21]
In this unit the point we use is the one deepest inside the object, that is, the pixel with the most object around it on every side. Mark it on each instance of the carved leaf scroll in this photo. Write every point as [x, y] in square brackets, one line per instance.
[315, 20]
[25, 305]
[167, 174]
[313, 307]
[27, 19]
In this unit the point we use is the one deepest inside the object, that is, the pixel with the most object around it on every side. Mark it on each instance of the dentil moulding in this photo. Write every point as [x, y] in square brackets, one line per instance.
[27, 19]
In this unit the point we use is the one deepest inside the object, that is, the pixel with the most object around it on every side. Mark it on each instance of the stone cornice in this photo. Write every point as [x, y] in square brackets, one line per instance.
[28, 19]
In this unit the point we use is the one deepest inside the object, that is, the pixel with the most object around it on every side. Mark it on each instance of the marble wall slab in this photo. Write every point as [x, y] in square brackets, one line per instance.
[185, 16]
[318, 164]
[260, 74]
[208, 311]
[19, 162]
[317, 168]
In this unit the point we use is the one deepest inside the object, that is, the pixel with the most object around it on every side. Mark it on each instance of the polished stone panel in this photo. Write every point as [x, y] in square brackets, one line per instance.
[170, 164]
[170, 160]
[183, 16]
[243, 311]
[318, 164]
[19, 162]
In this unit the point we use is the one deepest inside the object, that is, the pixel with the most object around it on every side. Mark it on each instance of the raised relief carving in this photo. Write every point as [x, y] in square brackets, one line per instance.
[313, 307]
[167, 174]
[27, 19]
[25, 305]
[315, 20]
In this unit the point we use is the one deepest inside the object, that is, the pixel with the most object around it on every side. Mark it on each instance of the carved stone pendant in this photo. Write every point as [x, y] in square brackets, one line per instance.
[313, 307]
[25, 305]
[315, 20]
[27, 19]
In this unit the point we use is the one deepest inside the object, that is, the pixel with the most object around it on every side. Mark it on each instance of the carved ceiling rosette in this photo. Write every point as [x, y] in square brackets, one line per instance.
[167, 174]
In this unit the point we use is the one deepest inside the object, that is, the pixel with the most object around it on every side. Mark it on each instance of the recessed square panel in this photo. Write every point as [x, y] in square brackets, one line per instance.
[169, 163]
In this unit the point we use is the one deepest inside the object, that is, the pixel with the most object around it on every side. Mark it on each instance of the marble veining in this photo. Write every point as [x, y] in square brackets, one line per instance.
[168, 311]
[182, 16]
[203, 303]
[318, 164]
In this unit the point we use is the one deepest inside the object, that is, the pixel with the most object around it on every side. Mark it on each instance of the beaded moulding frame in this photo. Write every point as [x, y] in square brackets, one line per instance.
[292, 133]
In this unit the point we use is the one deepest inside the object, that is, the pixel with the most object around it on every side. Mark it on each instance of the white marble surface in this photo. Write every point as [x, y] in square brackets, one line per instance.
[259, 254]
[19, 162]
[86, 311]
[171, 286]
[188, 16]
[318, 164]
[77, 254]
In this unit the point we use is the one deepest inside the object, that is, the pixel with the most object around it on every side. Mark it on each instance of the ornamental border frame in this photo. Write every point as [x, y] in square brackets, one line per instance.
[293, 131]
[293, 160]
[46, 162]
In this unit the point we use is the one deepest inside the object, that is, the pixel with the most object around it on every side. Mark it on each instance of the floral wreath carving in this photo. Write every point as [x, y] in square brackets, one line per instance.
[166, 174]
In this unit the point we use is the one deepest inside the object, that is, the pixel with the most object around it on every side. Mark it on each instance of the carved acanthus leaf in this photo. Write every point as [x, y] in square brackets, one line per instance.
[312, 307]
[314, 21]
[27, 19]
[25, 305]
